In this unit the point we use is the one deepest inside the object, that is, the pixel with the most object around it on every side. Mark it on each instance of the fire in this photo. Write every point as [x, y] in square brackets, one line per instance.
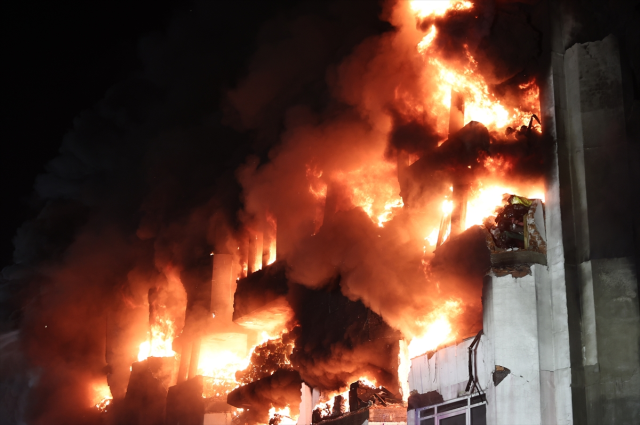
[437, 329]
[432, 238]
[326, 407]
[479, 102]
[284, 416]
[389, 211]
[424, 8]
[375, 189]
[272, 229]
[221, 365]
[223, 356]
[368, 382]
[426, 41]
[102, 397]
[485, 200]
[161, 337]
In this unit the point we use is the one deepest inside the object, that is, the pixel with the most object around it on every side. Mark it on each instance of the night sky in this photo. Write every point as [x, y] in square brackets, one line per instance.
[61, 58]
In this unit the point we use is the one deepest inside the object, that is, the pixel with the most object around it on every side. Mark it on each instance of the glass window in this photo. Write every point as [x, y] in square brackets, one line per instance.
[454, 405]
[426, 412]
[478, 399]
[460, 419]
[455, 412]
[479, 415]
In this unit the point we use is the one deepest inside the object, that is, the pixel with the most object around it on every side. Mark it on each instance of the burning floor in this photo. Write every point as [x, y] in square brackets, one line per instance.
[315, 310]
[396, 258]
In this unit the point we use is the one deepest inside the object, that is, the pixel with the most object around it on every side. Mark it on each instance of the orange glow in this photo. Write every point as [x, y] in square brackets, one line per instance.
[436, 329]
[221, 365]
[272, 227]
[479, 103]
[102, 397]
[160, 340]
[368, 382]
[426, 41]
[484, 201]
[326, 406]
[432, 238]
[375, 189]
[447, 207]
[424, 8]
[221, 356]
[285, 415]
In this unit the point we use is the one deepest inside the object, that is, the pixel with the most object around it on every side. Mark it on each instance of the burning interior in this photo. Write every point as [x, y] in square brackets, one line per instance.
[373, 272]
[457, 190]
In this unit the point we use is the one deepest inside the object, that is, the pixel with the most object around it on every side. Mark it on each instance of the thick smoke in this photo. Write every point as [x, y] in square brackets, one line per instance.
[144, 187]
[154, 177]
[372, 118]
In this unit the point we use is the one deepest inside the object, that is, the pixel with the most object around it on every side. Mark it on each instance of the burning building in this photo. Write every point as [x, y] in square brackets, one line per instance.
[447, 238]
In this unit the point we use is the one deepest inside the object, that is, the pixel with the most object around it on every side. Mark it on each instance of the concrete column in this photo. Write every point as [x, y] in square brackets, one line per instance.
[306, 405]
[222, 287]
[512, 355]
[603, 233]
[255, 252]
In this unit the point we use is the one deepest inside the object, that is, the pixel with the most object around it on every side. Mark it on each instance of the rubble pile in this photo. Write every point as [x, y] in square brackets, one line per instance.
[268, 358]
[361, 397]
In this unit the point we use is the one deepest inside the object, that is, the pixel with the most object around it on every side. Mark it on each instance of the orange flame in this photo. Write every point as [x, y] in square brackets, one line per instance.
[480, 104]
[285, 415]
[436, 329]
[375, 189]
[222, 359]
[424, 8]
[160, 340]
[102, 397]
[487, 198]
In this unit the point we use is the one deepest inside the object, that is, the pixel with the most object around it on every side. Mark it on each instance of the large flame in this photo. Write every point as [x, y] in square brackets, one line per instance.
[284, 416]
[160, 340]
[373, 187]
[485, 200]
[436, 328]
[221, 360]
[424, 8]
[480, 104]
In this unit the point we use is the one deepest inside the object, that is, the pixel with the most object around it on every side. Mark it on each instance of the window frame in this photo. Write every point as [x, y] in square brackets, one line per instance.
[449, 413]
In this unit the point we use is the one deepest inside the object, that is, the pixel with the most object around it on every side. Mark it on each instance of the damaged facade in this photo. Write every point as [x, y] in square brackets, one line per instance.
[281, 326]
[561, 325]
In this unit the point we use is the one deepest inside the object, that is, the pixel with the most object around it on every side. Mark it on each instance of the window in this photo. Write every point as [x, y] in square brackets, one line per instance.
[465, 411]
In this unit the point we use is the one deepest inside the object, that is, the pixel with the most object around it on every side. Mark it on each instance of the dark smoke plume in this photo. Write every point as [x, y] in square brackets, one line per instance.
[168, 167]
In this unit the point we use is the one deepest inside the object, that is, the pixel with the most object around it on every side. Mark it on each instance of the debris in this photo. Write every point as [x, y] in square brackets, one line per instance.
[515, 270]
[417, 400]
[362, 395]
[499, 374]
[509, 229]
[515, 236]
[524, 131]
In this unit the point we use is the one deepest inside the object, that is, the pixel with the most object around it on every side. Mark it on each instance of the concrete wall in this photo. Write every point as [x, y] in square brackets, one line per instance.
[604, 245]
[525, 331]
[447, 371]
[588, 198]
[510, 323]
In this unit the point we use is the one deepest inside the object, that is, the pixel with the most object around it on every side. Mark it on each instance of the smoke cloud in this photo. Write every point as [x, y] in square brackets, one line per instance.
[168, 168]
